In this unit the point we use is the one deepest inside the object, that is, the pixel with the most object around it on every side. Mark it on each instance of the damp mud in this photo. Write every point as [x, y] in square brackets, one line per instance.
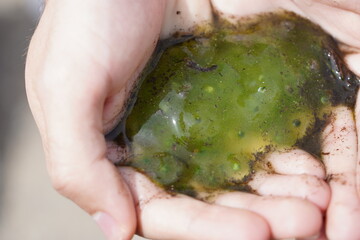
[210, 106]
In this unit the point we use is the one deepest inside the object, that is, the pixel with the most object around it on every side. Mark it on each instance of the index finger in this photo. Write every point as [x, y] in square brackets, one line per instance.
[163, 216]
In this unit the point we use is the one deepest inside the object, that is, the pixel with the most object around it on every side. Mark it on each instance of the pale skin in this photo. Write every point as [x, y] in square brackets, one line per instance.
[82, 61]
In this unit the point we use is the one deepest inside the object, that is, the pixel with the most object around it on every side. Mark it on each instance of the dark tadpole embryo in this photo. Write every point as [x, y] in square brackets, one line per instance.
[215, 103]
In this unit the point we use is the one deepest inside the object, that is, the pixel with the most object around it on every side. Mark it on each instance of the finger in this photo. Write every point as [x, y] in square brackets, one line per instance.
[338, 20]
[184, 15]
[353, 61]
[70, 71]
[331, 16]
[302, 186]
[294, 162]
[165, 216]
[339, 143]
[351, 5]
[287, 217]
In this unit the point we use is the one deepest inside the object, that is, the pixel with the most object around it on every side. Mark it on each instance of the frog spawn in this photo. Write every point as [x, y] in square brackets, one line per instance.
[215, 104]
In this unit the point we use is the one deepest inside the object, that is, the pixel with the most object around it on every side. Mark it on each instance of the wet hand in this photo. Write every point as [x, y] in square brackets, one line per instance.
[341, 158]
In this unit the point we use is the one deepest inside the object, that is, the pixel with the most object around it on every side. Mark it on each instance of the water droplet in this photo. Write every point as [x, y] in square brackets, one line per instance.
[296, 123]
[350, 86]
[262, 89]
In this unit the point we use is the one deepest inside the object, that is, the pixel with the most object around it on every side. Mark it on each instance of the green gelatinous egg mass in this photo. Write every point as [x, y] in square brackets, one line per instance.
[216, 102]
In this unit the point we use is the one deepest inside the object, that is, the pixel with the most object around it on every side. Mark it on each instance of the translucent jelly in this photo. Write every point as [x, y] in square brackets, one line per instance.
[216, 102]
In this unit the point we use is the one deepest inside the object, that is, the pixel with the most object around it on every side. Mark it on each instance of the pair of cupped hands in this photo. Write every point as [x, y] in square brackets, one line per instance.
[82, 61]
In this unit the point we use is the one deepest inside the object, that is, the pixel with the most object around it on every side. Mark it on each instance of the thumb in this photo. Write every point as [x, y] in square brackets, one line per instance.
[70, 72]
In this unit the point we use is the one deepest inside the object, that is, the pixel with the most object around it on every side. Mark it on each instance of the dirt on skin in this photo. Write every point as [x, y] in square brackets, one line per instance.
[210, 106]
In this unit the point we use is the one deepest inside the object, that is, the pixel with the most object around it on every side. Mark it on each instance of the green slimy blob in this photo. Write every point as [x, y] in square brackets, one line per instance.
[214, 103]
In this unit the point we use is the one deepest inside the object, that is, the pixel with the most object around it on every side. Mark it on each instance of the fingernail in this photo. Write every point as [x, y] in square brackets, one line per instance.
[107, 224]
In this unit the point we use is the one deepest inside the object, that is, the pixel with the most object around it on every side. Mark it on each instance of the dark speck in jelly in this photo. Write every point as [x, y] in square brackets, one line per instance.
[217, 102]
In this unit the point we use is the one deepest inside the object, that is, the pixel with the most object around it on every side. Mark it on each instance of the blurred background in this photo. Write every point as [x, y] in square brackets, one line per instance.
[29, 208]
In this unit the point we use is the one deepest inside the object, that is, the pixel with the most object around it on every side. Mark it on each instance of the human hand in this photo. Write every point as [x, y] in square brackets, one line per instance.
[79, 69]
[81, 60]
[271, 216]
[341, 158]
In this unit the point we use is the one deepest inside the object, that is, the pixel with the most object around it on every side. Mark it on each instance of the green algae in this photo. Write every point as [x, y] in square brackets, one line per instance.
[217, 102]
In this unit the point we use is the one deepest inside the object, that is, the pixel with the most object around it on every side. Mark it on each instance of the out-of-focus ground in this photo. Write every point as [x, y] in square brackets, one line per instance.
[29, 208]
